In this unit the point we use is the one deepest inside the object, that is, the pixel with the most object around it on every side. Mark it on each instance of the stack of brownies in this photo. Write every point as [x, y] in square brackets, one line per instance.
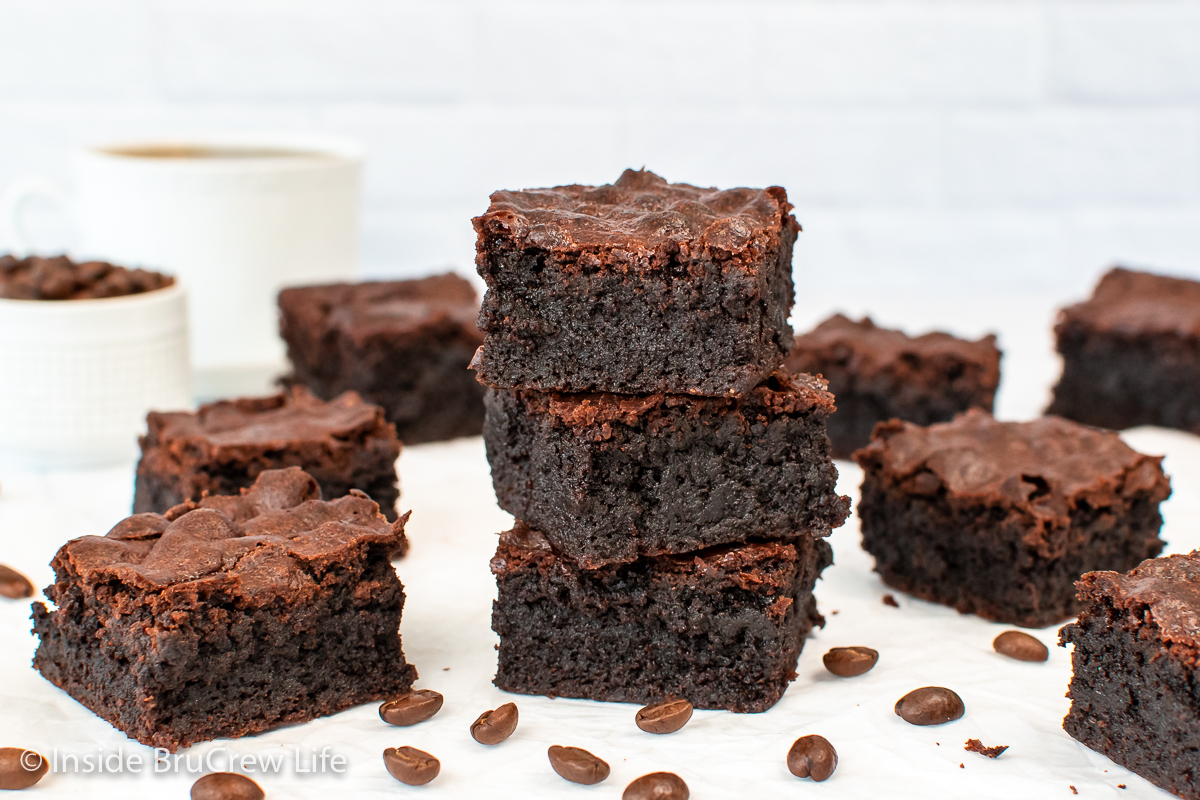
[672, 483]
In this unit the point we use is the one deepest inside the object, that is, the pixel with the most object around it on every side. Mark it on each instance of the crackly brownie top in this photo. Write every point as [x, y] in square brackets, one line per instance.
[1128, 302]
[60, 278]
[362, 310]
[753, 566]
[872, 349]
[781, 394]
[1045, 466]
[1169, 587]
[271, 422]
[275, 539]
[640, 214]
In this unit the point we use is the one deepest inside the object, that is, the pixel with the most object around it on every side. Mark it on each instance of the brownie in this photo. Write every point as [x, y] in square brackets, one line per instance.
[1136, 666]
[1131, 354]
[223, 447]
[612, 477]
[877, 374]
[230, 616]
[722, 627]
[1000, 519]
[402, 345]
[60, 278]
[637, 287]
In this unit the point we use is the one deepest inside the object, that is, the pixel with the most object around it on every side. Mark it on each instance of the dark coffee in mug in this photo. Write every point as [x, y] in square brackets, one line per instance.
[189, 151]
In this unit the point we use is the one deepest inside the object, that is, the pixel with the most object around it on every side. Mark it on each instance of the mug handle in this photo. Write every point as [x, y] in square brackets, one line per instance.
[12, 203]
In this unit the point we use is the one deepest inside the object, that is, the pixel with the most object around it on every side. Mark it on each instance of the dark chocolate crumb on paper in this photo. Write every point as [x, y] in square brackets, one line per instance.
[890, 600]
[1073, 789]
[976, 746]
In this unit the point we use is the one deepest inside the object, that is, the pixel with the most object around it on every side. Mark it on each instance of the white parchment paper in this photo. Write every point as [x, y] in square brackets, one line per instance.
[721, 755]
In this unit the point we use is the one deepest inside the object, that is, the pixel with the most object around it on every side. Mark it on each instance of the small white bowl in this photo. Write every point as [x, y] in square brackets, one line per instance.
[78, 376]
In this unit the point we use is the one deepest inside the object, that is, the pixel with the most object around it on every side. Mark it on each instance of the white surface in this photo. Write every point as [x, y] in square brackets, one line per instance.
[979, 144]
[719, 754]
[77, 377]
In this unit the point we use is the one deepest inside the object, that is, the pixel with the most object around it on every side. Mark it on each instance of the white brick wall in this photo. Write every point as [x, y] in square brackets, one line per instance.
[975, 145]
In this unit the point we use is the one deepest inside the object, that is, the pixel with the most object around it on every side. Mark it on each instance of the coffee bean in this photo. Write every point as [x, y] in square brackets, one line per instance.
[847, 662]
[226, 786]
[410, 765]
[493, 727]
[1020, 646]
[665, 717]
[20, 769]
[931, 705]
[812, 757]
[13, 584]
[577, 765]
[657, 786]
[409, 709]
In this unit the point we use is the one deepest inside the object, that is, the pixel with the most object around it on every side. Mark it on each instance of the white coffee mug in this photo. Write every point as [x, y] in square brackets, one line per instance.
[235, 217]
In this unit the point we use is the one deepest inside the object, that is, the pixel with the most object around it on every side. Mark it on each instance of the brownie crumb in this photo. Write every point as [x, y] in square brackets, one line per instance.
[1120, 786]
[960, 766]
[976, 746]
[890, 600]
[1073, 789]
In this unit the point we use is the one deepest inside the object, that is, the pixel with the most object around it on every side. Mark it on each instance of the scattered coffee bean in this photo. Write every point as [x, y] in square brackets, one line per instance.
[226, 786]
[657, 786]
[20, 769]
[493, 727]
[1020, 646]
[931, 705]
[410, 765]
[409, 709]
[890, 600]
[13, 584]
[976, 746]
[665, 717]
[812, 757]
[847, 662]
[577, 765]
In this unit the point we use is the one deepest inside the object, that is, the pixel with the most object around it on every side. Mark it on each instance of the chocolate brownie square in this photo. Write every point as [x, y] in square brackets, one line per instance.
[402, 345]
[1000, 519]
[722, 627]
[1131, 354]
[612, 477]
[229, 616]
[637, 287]
[344, 444]
[877, 374]
[1136, 667]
